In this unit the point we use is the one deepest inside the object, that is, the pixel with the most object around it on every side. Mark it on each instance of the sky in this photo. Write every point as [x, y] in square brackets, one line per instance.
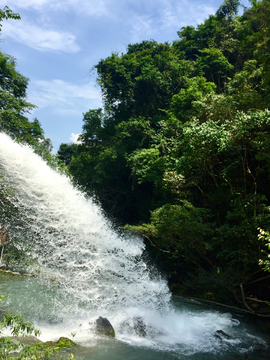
[57, 42]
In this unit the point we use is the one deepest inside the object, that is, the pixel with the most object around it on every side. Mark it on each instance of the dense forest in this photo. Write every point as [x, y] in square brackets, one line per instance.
[180, 151]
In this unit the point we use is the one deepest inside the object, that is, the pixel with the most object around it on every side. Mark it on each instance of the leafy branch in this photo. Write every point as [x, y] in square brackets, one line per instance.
[264, 236]
[11, 349]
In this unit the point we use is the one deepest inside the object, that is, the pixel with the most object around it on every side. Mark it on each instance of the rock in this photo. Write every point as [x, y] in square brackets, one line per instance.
[104, 327]
[28, 340]
[220, 334]
[49, 344]
[139, 326]
[62, 343]
[135, 325]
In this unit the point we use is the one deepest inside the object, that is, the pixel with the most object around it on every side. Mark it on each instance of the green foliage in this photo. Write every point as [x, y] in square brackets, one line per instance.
[180, 151]
[2, 296]
[14, 106]
[259, 30]
[141, 82]
[181, 225]
[18, 325]
[264, 236]
[14, 349]
[215, 66]
[228, 8]
[66, 152]
[146, 164]
[6, 13]
[195, 90]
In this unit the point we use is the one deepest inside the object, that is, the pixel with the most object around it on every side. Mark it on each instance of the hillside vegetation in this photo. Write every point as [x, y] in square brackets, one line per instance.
[181, 150]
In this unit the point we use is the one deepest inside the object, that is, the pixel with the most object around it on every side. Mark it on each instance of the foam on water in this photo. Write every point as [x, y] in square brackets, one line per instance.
[86, 268]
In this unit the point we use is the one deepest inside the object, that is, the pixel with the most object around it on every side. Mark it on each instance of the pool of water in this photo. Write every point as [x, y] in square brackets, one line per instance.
[190, 330]
[86, 268]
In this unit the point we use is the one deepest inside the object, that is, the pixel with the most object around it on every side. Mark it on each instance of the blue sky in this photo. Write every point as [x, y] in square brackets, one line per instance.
[57, 42]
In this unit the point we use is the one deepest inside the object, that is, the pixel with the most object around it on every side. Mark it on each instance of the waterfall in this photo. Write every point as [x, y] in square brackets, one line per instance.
[85, 267]
[73, 239]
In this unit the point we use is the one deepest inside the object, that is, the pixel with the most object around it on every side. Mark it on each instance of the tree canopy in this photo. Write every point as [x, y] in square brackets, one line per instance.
[180, 150]
[14, 107]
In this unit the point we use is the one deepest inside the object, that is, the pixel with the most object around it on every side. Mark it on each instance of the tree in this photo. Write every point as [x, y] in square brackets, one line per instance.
[264, 236]
[13, 104]
[228, 8]
[180, 150]
[183, 228]
[140, 83]
[6, 13]
[188, 46]
[195, 89]
[215, 67]
[66, 152]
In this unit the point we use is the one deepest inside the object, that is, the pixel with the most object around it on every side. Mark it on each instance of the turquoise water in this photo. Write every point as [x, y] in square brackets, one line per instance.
[187, 332]
[87, 269]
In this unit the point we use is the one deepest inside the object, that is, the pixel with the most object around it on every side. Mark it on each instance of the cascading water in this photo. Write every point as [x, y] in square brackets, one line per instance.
[87, 270]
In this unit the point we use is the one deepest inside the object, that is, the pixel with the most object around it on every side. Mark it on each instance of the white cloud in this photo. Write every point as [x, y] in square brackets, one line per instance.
[177, 9]
[74, 138]
[23, 3]
[139, 19]
[144, 20]
[183, 14]
[140, 27]
[39, 38]
[63, 97]
[89, 7]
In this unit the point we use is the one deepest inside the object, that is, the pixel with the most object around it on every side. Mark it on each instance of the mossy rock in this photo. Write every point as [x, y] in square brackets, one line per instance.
[62, 343]
[49, 344]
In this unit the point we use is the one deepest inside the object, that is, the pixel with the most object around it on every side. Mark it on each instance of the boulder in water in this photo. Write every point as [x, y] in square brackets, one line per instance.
[139, 326]
[65, 342]
[135, 325]
[221, 335]
[62, 343]
[104, 327]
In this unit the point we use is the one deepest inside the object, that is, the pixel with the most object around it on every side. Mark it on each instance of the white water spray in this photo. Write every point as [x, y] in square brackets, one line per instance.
[96, 271]
[73, 240]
